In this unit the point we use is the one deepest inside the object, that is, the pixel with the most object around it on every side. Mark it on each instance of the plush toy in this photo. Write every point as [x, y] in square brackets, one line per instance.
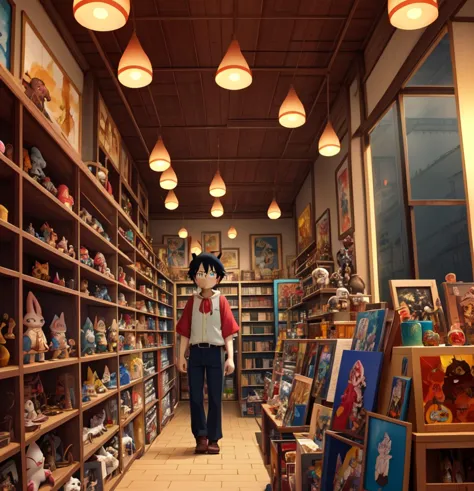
[34, 341]
[73, 484]
[37, 164]
[36, 474]
[88, 345]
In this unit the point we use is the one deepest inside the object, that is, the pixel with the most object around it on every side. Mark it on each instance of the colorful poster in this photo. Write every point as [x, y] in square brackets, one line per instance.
[109, 136]
[323, 236]
[345, 214]
[265, 252]
[305, 230]
[177, 251]
[6, 37]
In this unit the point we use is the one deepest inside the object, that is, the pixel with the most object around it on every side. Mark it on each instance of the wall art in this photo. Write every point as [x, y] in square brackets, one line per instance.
[7, 33]
[323, 236]
[109, 136]
[230, 258]
[320, 422]
[177, 251]
[298, 401]
[345, 208]
[322, 374]
[460, 306]
[370, 329]
[211, 242]
[266, 252]
[399, 398]
[305, 228]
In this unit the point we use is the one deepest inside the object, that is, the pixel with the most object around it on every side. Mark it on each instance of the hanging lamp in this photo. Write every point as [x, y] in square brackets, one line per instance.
[292, 113]
[105, 15]
[274, 211]
[171, 201]
[329, 144]
[135, 70]
[232, 232]
[217, 188]
[183, 233]
[217, 209]
[169, 179]
[196, 247]
[412, 14]
[160, 159]
[234, 72]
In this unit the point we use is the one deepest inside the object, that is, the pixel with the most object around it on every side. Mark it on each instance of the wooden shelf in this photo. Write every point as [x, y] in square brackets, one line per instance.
[91, 448]
[9, 451]
[131, 384]
[98, 356]
[39, 366]
[49, 425]
[35, 247]
[98, 399]
[9, 371]
[47, 286]
[131, 417]
[150, 405]
[61, 476]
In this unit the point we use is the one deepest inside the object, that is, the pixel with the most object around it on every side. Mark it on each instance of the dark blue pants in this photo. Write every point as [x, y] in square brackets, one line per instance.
[208, 362]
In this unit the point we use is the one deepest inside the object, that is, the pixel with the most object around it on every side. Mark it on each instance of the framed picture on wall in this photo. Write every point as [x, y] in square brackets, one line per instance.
[161, 251]
[230, 258]
[7, 33]
[414, 296]
[345, 208]
[211, 242]
[266, 252]
[323, 236]
[305, 229]
[176, 251]
[109, 136]
[290, 265]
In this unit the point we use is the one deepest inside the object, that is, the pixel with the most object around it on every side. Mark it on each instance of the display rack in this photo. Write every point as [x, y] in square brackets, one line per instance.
[22, 124]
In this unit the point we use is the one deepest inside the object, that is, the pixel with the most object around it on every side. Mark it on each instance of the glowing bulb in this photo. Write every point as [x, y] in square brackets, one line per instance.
[234, 77]
[135, 75]
[100, 13]
[414, 13]
[183, 233]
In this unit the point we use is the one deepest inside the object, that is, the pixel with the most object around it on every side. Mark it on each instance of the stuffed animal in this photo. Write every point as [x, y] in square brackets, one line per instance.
[36, 474]
[35, 344]
[88, 345]
[73, 484]
[37, 164]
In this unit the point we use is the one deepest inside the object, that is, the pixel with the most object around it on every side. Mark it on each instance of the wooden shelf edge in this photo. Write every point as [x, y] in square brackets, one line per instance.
[99, 442]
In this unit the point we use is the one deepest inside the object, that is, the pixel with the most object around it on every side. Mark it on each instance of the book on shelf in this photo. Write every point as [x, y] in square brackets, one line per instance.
[228, 290]
[257, 316]
[257, 290]
[255, 302]
[252, 379]
[258, 363]
[257, 329]
[257, 346]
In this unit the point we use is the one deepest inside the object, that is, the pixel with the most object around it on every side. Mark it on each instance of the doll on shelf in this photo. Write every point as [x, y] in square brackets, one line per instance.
[207, 326]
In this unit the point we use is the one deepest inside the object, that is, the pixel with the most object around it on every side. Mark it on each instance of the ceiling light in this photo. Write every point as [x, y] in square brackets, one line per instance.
[135, 70]
[217, 209]
[196, 247]
[233, 72]
[159, 158]
[105, 15]
[169, 179]
[217, 187]
[412, 14]
[171, 201]
[292, 113]
[183, 233]
[274, 211]
[329, 144]
[232, 233]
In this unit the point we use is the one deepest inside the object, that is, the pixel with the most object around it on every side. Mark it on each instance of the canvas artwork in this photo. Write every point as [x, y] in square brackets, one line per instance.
[109, 136]
[285, 291]
[415, 296]
[356, 391]
[323, 371]
[6, 33]
[312, 475]
[399, 398]
[161, 251]
[345, 212]
[93, 478]
[290, 265]
[211, 242]
[323, 236]
[460, 305]
[320, 422]
[298, 401]
[266, 252]
[177, 251]
[305, 230]
[230, 258]
[62, 104]
[387, 454]
[369, 333]
[342, 465]
[308, 365]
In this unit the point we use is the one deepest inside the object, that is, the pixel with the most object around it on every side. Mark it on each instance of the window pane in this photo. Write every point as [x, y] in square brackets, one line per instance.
[392, 244]
[434, 153]
[442, 242]
[437, 68]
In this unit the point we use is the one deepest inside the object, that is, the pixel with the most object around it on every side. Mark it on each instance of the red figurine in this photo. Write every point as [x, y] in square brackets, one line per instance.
[63, 195]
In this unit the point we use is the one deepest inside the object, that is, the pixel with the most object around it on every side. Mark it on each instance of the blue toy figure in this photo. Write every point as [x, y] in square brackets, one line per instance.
[124, 375]
[88, 345]
[102, 293]
[100, 337]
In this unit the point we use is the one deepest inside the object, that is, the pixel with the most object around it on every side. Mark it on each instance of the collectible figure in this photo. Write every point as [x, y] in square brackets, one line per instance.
[35, 344]
[320, 277]
[129, 341]
[73, 484]
[59, 342]
[121, 276]
[36, 474]
[4, 353]
[63, 195]
[88, 386]
[86, 216]
[356, 284]
[112, 336]
[207, 325]
[71, 252]
[26, 161]
[122, 301]
[102, 293]
[59, 281]
[131, 282]
[87, 338]
[100, 264]
[62, 245]
[41, 271]
[85, 258]
[340, 301]
[49, 235]
[37, 164]
[31, 230]
[124, 375]
[49, 185]
[84, 287]
[100, 338]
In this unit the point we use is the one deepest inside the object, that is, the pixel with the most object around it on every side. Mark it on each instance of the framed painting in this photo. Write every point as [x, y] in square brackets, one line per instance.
[109, 136]
[295, 414]
[399, 398]
[320, 422]
[40, 70]
[356, 391]
[286, 290]
[387, 454]
[323, 371]
[305, 229]
[211, 242]
[345, 208]
[370, 330]
[7, 33]
[323, 236]
[125, 165]
[290, 265]
[460, 305]
[230, 258]
[176, 251]
[161, 251]
[266, 252]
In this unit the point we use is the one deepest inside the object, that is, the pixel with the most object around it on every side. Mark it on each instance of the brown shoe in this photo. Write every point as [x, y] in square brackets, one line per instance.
[201, 444]
[213, 448]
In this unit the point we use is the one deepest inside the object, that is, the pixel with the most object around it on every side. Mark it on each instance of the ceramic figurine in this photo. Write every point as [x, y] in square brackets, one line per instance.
[336, 280]
[59, 342]
[100, 264]
[87, 338]
[141, 322]
[62, 245]
[456, 336]
[63, 195]
[129, 342]
[89, 384]
[31, 230]
[140, 305]
[124, 375]
[35, 344]
[86, 216]
[122, 301]
[121, 276]
[99, 387]
[102, 293]
[359, 301]
[3, 213]
[71, 284]
[356, 284]
[320, 277]
[49, 185]
[131, 282]
[85, 258]
[340, 301]
[71, 252]
[84, 287]
[37, 164]
[129, 235]
[150, 307]
[112, 336]
[450, 278]
[106, 377]
[4, 353]
[59, 281]
[97, 226]
[36, 474]
[41, 271]
[73, 484]
[9, 151]
[7, 320]
[126, 205]
[100, 338]
[49, 235]
[26, 160]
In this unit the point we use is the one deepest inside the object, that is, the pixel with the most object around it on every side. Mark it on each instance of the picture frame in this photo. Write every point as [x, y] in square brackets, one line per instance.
[39, 62]
[406, 294]
[323, 236]
[460, 306]
[345, 203]
[298, 401]
[161, 251]
[230, 258]
[266, 252]
[370, 330]
[387, 454]
[323, 370]
[320, 423]
[7, 33]
[93, 477]
[399, 398]
[211, 242]
[304, 228]
[290, 265]
[177, 251]
[108, 138]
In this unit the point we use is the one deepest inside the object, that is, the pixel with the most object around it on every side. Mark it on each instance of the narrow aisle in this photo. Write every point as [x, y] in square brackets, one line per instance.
[172, 464]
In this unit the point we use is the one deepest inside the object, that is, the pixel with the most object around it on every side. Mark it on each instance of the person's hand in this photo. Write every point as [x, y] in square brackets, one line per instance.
[183, 365]
[229, 367]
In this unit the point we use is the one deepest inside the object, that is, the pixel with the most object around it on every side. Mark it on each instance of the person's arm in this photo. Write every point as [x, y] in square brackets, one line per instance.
[183, 328]
[229, 365]
[229, 327]
[182, 362]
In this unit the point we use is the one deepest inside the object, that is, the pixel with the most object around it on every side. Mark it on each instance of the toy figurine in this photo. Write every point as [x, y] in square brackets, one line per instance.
[87, 338]
[120, 342]
[124, 375]
[59, 342]
[121, 276]
[106, 377]
[49, 235]
[140, 305]
[99, 387]
[89, 384]
[100, 339]
[86, 216]
[38, 93]
[100, 264]
[9, 151]
[71, 252]
[3, 213]
[97, 226]
[59, 281]
[112, 336]
[36, 474]
[31, 230]
[35, 344]
[71, 284]
[62, 245]
[122, 301]
[73, 484]
[41, 271]
[63, 195]
[340, 301]
[26, 161]
[320, 277]
[102, 293]
[4, 353]
[7, 320]
[456, 336]
[37, 164]
[85, 258]
[129, 341]
[84, 287]
[126, 205]
[49, 185]
[131, 282]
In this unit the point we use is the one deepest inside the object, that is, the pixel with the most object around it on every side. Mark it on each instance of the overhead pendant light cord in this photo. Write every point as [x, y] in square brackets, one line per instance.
[327, 96]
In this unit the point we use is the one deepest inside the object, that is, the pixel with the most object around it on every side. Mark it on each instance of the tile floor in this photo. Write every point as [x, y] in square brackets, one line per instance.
[171, 463]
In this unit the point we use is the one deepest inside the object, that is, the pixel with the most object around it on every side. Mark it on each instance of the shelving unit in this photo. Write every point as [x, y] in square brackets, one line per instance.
[29, 202]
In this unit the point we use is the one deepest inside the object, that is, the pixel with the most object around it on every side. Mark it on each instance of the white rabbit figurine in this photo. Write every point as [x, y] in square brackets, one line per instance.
[35, 344]
[36, 474]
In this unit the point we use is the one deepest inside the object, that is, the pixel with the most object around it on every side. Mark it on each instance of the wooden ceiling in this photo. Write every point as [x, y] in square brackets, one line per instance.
[284, 42]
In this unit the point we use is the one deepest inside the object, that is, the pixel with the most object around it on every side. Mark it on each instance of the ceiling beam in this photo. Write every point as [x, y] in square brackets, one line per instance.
[151, 18]
[255, 124]
[321, 71]
[236, 159]
[239, 185]
[204, 215]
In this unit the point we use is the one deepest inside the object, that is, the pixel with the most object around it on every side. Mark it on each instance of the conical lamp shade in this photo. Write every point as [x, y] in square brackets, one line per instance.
[169, 179]
[329, 144]
[217, 187]
[232, 233]
[134, 68]
[105, 15]
[292, 113]
[159, 158]
[412, 14]
[183, 233]
[196, 247]
[217, 209]
[171, 201]
[233, 72]
[274, 211]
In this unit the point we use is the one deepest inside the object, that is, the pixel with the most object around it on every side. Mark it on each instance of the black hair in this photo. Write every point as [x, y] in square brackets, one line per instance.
[208, 261]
